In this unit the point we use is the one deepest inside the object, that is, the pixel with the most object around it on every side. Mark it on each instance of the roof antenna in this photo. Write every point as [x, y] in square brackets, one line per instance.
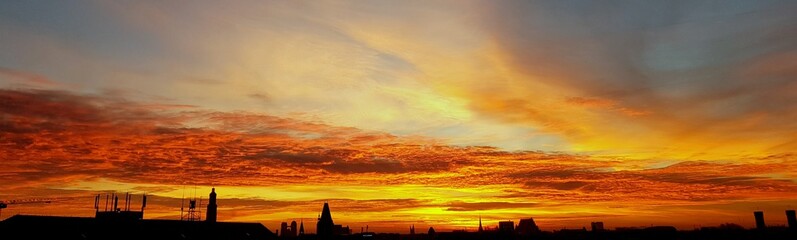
[143, 202]
[182, 204]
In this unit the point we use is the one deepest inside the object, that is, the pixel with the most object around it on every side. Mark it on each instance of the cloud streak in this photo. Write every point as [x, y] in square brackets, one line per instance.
[663, 72]
[52, 138]
[566, 111]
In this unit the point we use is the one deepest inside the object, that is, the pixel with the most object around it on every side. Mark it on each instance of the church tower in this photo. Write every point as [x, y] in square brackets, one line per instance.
[480, 224]
[211, 213]
[325, 223]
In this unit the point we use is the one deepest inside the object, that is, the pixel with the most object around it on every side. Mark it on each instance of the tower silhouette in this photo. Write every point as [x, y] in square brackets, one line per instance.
[284, 231]
[759, 220]
[293, 229]
[325, 223]
[211, 213]
[791, 218]
[301, 228]
[480, 224]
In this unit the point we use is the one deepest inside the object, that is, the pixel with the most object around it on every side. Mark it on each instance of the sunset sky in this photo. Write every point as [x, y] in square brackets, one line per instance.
[431, 113]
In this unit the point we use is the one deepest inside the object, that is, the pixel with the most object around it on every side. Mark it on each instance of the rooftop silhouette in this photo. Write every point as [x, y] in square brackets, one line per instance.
[325, 224]
[124, 223]
[117, 221]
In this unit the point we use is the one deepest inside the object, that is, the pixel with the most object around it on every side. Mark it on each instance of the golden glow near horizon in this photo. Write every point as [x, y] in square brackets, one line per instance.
[400, 114]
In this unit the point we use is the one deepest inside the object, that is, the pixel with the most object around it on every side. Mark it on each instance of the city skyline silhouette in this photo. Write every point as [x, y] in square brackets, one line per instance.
[113, 217]
[510, 117]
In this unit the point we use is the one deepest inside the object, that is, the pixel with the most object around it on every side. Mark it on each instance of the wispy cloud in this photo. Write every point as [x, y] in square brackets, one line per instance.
[629, 111]
[53, 138]
[25, 77]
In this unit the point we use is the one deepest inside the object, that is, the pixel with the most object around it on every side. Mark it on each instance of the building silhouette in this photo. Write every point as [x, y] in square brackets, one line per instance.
[116, 213]
[340, 230]
[212, 207]
[284, 230]
[759, 220]
[116, 220]
[54, 227]
[597, 226]
[290, 231]
[506, 226]
[293, 229]
[527, 226]
[324, 228]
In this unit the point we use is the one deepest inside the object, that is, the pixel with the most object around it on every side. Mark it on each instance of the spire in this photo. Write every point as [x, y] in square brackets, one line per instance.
[301, 228]
[324, 228]
[480, 224]
[326, 215]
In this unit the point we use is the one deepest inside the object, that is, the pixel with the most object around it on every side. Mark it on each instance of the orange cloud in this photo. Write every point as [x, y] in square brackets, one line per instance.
[56, 142]
[637, 87]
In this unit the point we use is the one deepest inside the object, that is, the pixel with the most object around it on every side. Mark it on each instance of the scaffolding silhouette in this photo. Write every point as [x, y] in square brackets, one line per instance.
[193, 213]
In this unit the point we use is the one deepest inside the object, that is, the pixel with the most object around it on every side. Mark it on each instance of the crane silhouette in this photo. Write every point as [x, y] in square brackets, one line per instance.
[4, 204]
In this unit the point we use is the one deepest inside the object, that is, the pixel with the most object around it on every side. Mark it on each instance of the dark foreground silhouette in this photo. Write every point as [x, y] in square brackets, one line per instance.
[50, 227]
[114, 221]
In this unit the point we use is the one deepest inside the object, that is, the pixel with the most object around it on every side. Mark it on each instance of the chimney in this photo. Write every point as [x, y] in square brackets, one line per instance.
[759, 220]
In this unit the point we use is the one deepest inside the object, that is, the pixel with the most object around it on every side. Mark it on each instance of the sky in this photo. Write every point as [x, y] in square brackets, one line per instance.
[431, 113]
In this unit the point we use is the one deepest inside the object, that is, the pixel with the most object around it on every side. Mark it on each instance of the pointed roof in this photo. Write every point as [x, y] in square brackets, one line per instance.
[326, 215]
[480, 224]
